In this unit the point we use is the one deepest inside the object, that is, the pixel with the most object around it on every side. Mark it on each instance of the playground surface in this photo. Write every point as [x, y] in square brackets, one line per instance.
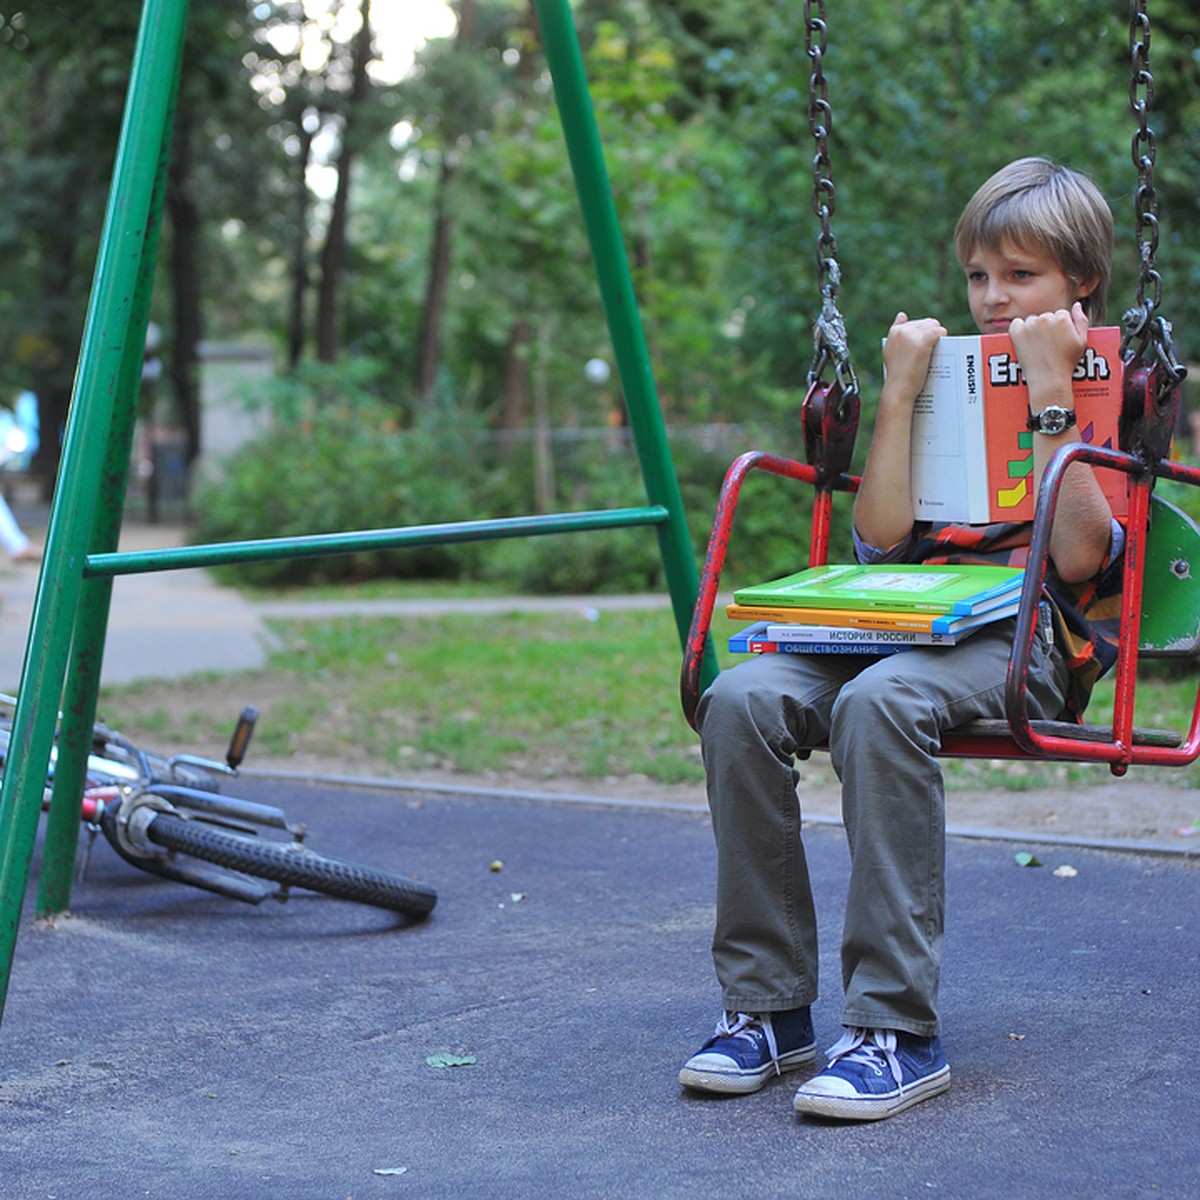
[161, 1041]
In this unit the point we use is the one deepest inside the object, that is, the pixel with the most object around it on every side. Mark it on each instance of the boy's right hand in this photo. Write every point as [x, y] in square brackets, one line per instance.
[907, 352]
[883, 511]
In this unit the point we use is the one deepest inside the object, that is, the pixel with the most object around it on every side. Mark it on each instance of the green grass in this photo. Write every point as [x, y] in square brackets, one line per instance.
[376, 589]
[539, 697]
[542, 694]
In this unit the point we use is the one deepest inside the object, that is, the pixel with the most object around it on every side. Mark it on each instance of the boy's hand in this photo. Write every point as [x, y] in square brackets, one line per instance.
[883, 512]
[1048, 347]
[907, 352]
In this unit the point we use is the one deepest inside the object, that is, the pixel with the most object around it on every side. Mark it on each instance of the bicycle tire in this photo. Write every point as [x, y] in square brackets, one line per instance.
[294, 867]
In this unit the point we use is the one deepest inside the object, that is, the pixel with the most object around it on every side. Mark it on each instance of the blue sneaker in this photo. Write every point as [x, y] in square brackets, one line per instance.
[875, 1073]
[746, 1049]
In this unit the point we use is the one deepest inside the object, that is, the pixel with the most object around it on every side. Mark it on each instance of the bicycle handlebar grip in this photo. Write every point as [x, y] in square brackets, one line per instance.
[241, 736]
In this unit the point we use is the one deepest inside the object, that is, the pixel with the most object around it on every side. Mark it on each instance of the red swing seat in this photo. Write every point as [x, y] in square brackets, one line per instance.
[1161, 599]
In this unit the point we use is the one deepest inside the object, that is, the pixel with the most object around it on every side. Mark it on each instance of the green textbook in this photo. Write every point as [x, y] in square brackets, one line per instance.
[905, 587]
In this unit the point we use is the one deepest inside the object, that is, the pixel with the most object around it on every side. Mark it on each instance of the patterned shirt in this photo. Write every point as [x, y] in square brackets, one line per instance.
[1087, 615]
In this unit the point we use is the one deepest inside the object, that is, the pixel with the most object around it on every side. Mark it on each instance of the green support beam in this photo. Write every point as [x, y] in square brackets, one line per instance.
[71, 606]
[561, 43]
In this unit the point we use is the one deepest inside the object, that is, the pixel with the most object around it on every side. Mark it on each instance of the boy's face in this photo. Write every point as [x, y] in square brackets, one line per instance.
[1014, 282]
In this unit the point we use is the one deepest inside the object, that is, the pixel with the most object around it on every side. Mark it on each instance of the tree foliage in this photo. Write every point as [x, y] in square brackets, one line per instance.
[703, 108]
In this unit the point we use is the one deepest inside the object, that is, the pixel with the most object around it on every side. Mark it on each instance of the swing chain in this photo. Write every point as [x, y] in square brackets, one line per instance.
[829, 332]
[820, 122]
[1140, 322]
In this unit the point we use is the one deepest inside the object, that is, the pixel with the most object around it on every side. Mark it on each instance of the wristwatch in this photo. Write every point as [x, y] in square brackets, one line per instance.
[1052, 419]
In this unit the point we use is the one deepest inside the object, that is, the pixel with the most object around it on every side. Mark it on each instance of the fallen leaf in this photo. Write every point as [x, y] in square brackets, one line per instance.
[495, 865]
[517, 897]
[1065, 872]
[390, 1170]
[1016, 1037]
[444, 1058]
[1025, 859]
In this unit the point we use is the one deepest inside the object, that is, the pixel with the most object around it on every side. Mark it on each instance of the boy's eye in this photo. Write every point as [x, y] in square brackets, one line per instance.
[976, 276]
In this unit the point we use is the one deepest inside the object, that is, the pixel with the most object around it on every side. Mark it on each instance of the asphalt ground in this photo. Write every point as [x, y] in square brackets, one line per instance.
[162, 625]
[159, 1041]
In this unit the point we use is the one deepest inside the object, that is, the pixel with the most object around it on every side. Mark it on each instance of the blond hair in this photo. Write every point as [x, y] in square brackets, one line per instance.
[1034, 203]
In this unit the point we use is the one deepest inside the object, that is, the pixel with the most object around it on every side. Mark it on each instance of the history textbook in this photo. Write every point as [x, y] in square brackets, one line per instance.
[754, 640]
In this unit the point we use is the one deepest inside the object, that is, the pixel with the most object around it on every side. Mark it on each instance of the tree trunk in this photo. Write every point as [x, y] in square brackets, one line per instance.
[545, 493]
[52, 364]
[429, 341]
[333, 255]
[185, 278]
[515, 396]
[299, 272]
[514, 411]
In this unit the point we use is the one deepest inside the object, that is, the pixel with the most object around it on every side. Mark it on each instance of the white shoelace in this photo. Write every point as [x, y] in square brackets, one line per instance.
[866, 1046]
[742, 1026]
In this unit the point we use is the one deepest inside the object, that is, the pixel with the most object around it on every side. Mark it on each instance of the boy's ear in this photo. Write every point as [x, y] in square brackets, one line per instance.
[1086, 288]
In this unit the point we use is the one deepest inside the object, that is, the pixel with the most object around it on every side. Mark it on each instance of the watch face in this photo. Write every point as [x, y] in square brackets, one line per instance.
[1052, 420]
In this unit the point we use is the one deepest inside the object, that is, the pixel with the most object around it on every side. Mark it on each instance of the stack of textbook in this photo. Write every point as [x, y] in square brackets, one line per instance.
[875, 609]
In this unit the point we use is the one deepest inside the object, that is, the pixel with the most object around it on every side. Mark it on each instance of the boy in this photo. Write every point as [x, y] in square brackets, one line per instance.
[1035, 243]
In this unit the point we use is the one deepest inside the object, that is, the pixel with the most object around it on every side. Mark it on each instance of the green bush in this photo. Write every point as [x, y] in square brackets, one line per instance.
[771, 530]
[606, 561]
[338, 458]
[1182, 495]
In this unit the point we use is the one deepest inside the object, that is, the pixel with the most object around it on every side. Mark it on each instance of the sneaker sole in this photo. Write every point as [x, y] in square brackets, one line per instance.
[741, 1083]
[871, 1108]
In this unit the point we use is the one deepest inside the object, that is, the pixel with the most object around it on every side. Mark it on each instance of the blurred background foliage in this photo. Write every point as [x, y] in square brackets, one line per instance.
[408, 240]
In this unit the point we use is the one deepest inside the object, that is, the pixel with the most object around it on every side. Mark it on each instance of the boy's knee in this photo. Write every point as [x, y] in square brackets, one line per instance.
[726, 694]
[874, 702]
[736, 698]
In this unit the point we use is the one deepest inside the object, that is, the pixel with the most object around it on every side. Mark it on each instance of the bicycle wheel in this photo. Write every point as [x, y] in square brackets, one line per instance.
[295, 866]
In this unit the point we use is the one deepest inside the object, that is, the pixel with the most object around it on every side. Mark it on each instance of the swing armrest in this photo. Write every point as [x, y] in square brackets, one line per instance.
[1123, 745]
[697, 672]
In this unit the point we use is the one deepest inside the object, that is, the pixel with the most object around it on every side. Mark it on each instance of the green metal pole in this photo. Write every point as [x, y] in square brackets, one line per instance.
[314, 545]
[620, 304]
[102, 354]
[91, 622]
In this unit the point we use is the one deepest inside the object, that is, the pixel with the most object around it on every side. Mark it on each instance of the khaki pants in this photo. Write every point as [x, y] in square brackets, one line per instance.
[883, 718]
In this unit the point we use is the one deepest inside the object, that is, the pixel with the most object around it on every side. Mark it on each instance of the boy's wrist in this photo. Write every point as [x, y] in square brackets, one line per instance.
[1051, 393]
[1051, 420]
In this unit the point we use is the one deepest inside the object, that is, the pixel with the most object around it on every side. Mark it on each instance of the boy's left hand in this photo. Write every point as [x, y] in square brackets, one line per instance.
[1049, 345]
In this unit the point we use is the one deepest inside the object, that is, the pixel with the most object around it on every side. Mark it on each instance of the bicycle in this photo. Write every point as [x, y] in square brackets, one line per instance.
[166, 816]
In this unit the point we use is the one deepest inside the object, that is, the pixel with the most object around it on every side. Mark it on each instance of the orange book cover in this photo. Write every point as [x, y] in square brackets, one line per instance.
[972, 457]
